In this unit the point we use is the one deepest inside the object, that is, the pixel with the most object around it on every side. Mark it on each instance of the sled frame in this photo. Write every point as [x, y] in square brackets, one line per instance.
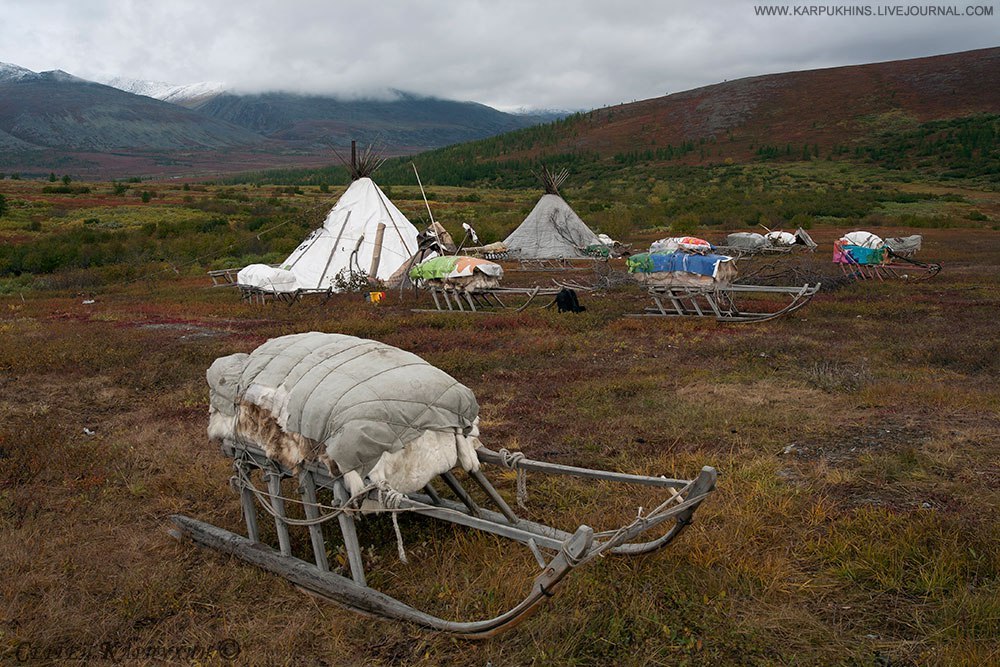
[516, 299]
[570, 549]
[898, 267]
[721, 302]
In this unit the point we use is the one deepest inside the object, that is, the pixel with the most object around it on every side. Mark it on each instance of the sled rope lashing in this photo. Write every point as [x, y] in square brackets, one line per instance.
[273, 503]
[510, 460]
[722, 302]
[566, 550]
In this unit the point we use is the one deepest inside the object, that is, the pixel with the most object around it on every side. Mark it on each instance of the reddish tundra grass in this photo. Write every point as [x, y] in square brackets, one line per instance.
[854, 523]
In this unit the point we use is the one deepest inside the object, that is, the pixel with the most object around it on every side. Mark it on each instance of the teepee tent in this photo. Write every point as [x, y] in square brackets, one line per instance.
[364, 233]
[552, 230]
[362, 220]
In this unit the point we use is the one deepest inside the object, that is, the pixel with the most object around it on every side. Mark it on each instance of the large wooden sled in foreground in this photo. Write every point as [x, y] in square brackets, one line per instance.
[360, 428]
[565, 550]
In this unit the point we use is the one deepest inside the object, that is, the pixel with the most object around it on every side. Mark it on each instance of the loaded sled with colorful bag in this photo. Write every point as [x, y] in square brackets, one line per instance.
[693, 281]
[864, 256]
[471, 285]
[345, 430]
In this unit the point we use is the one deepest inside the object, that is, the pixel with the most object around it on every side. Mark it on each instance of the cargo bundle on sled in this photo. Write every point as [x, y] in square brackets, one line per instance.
[747, 244]
[472, 285]
[865, 256]
[366, 429]
[689, 282]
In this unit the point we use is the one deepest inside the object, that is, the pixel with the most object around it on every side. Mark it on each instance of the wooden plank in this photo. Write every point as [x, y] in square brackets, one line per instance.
[278, 505]
[347, 529]
[247, 502]
[307, 485]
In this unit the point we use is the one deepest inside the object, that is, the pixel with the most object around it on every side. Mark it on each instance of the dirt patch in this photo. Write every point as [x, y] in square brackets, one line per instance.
[846, 445]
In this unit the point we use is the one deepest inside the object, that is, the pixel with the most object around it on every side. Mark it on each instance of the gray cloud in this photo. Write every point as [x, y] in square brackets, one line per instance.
[506, 53]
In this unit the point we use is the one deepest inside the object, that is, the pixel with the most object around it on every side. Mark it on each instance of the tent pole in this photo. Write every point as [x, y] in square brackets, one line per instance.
[377, 253]
[329, 259]
[422, 194]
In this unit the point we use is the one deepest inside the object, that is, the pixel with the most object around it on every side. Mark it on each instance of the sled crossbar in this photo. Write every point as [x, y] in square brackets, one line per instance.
[568, 549]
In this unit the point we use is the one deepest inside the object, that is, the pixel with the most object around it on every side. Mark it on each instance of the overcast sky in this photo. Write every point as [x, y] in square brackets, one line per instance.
[506, 53]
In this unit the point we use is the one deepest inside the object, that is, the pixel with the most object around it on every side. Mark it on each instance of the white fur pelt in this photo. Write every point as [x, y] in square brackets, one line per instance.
[406, 470]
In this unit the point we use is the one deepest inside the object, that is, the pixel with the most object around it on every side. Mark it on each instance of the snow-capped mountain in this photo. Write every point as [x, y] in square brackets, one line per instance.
[187, 95]
[10, 72]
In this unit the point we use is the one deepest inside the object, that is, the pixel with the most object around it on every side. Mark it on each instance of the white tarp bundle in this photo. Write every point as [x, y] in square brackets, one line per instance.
[552, 230]
[684, 243]
[267, 278]
[365, 407]
[748, 240]
[358, 213]
[905, 246]
[780, 239]
[863, 239]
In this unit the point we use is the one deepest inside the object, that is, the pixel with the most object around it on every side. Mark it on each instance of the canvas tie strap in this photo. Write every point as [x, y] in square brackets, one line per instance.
[391, 499]
[510, 461]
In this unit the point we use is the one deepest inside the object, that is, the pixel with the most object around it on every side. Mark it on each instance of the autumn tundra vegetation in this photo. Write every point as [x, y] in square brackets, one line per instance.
[857, 440]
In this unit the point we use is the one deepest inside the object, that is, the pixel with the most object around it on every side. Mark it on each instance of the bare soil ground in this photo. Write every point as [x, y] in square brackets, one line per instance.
[858, 444]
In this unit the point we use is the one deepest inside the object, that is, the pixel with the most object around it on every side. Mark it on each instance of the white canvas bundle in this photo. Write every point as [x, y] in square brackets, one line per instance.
[780, 239]
[267, 278]
[361, 407]
[863, 239]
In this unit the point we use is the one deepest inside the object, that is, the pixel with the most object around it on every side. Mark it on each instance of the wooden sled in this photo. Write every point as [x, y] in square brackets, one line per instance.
[491, 300]
[721, 302]
[896, 267]
[567, 549]
[259, 296]
[250, 294]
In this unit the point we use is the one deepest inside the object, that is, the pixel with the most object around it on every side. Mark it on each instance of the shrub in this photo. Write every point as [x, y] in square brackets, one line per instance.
[686, 223]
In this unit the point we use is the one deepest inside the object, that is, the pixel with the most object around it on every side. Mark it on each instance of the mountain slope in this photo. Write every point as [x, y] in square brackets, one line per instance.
[58, 111]
[824, 110]
[188, 95]
[408, 121]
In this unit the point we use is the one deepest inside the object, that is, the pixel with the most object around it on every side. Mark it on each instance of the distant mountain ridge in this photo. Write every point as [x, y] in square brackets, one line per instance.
[58, 111]
[411, 121]
[54, 117]
[187, 95]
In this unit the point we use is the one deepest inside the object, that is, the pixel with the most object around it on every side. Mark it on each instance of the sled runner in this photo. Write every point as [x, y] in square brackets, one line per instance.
[724, 302]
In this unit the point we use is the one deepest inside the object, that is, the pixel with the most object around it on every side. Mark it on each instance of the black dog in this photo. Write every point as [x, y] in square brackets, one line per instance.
[567, 302]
